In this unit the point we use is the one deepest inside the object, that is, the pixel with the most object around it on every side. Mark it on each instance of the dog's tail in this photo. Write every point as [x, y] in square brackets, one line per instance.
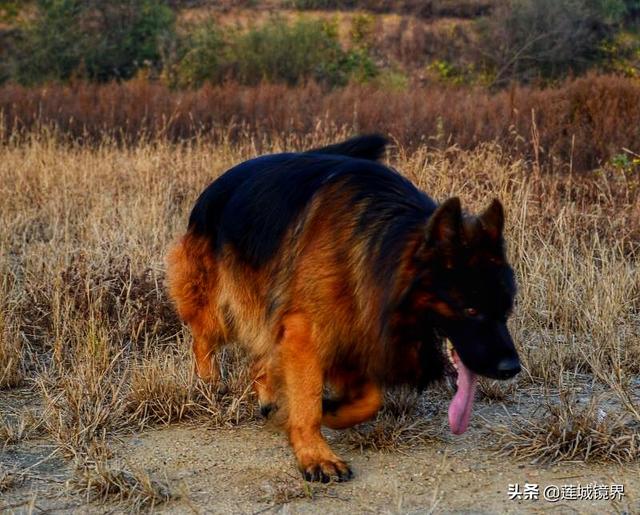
[368, 146]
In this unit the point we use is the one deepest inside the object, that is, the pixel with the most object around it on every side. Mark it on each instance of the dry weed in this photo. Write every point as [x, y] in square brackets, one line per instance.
[492, 390]
[277, 493]
[19, 426]
[99, 479]
[8, 479]
[80, 408]
[164, 389]
[11, 362]
[572, 431]
[580, 123]
[405, 420]
[11, 373]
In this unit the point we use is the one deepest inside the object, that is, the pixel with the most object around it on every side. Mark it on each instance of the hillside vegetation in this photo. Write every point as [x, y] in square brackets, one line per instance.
[459, 72]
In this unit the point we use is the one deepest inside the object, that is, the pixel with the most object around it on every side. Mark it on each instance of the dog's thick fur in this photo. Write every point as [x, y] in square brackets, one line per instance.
[334, 270]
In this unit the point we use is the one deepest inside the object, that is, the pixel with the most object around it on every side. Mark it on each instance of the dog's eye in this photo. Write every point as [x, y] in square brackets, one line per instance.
[471, 312]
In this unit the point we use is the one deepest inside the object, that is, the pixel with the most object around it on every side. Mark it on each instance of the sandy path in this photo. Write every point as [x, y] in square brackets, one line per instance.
[250, 470]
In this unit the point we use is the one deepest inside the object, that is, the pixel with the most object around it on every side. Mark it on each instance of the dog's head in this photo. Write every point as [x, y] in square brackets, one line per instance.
[467, 293]
[473, 287]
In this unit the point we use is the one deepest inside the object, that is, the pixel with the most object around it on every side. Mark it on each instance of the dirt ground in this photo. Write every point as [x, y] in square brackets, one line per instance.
[250, 469]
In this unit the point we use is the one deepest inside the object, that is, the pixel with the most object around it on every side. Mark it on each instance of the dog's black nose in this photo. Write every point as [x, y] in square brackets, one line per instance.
[508, 367]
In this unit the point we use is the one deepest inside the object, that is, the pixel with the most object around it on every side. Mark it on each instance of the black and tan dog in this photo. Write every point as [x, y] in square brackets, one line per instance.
[335, 271]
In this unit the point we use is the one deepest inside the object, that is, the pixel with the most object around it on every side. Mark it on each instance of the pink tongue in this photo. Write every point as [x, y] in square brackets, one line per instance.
[462, 403]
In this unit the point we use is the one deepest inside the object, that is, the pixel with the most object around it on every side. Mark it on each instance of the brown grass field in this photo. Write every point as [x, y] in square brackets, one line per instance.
[100, 410]
[577, 125]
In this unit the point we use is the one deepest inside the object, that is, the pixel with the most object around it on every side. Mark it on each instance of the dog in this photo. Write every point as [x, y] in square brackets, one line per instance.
[338, 274]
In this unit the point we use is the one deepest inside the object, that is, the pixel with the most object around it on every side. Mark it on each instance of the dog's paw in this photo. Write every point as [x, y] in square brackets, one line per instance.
[326, 471]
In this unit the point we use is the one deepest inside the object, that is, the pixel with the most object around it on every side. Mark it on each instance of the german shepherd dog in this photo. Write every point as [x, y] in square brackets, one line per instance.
[338, 274]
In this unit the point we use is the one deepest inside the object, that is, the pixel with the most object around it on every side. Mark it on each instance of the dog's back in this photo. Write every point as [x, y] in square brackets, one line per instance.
[253, 203]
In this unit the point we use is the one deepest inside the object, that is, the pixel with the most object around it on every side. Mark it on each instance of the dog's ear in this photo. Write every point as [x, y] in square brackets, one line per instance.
[492, 220]
[445, 224]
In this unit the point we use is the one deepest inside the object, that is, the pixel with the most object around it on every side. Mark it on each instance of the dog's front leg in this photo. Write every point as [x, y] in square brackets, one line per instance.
[303, 383]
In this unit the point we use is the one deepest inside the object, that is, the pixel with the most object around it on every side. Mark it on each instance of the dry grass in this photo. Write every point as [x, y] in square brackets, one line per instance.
[424, 8]
[94, 399]
[99, 480]
[569, 431]
[405, 420]
[10, 359]
[8, 479]
[491, 390]
[577, 124]
[86, 229]
[19, 426]
[284, 490]
[11, 363]
[277, 493]
[163, 390]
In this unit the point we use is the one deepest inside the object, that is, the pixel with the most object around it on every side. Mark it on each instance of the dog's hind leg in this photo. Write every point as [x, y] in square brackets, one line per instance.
[262, 374]
[359, 403]
[206, 340]
[192, 277]
[303, 382]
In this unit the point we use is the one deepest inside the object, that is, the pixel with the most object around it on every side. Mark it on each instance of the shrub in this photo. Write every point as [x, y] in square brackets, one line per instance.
[622, 12]
[527, 39]
[289, 53]
[101, 40]
[622, 54]
[316, 4]
[50, 46]
[129, 36]
[200, 58]
[277, 52]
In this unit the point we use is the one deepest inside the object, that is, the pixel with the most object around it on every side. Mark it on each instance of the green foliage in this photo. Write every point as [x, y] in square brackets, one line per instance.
[113, 39]
[9, 9]
[392, 80]
[357, 64]
[446, 71]
[129, 37]
[457, 74]
[610, 11]
[622, 53]
[98, 39]
[201, 57]
[281, 52]
[276, 51]
[362, 29]
[50, 46]
[615, 11]
[625, 162]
